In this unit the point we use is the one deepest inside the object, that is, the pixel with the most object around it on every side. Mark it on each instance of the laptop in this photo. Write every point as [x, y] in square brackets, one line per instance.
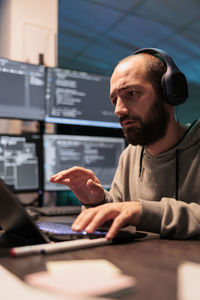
[18, 229]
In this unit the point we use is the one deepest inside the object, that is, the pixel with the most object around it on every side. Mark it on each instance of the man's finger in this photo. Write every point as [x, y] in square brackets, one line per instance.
[103, 215]
[83, 220]
[117, 224]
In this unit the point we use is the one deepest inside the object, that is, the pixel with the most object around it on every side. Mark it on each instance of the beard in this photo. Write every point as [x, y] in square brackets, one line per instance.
[150, 130]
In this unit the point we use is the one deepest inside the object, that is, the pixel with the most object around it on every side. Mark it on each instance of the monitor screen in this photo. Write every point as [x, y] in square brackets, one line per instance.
[78, 98]
[100, 154]
[22, 90]
[20, 162]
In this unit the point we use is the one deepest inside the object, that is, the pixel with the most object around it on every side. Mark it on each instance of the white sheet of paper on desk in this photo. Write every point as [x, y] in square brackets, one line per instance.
[12, 288]
[91, 265]
[86, 279]
[188, 281]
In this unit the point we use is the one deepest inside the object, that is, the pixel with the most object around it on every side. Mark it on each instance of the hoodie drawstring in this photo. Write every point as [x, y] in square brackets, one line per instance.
[177, 174]
[141, 158]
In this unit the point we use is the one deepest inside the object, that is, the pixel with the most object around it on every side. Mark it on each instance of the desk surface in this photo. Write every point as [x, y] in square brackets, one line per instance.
[151, 260]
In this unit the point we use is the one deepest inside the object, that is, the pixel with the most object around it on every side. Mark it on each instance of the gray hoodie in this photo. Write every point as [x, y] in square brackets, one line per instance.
[167, 185]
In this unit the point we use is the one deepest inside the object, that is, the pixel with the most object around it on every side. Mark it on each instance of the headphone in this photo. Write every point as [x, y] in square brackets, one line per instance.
[173, 82]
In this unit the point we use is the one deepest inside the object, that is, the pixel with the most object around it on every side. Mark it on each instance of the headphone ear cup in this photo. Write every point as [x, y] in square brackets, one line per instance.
[179, 87]
[176, 88]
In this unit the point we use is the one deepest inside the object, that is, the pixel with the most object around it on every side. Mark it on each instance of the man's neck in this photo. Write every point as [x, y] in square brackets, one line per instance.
[174, 133]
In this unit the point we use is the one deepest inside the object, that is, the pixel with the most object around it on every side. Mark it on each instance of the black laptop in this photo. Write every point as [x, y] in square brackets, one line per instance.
[18, 229]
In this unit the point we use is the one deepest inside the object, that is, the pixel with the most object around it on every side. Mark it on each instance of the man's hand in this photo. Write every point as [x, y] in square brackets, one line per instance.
[122, 213]
[84, 184]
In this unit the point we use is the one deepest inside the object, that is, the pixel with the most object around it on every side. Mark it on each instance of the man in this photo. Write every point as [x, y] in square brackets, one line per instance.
[156, 186]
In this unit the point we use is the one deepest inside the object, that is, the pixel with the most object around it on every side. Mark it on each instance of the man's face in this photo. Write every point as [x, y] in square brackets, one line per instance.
[141, 112]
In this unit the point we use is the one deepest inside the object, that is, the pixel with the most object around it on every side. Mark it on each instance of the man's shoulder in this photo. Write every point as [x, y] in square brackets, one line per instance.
[131, 150]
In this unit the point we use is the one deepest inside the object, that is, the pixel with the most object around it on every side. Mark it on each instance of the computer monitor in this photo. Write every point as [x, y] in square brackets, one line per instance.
[22, 90]
[100, 154]
[20, 162]
[78, 98]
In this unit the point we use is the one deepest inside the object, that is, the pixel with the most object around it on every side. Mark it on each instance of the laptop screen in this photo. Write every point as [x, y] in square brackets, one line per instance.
[15, 221]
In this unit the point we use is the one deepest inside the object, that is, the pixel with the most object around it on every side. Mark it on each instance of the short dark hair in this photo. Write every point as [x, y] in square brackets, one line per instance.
[155, 67]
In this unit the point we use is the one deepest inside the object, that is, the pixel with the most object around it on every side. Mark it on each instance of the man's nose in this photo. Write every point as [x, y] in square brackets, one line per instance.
[120, 108]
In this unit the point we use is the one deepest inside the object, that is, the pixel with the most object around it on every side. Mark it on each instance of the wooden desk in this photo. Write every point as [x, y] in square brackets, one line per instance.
[152, 261]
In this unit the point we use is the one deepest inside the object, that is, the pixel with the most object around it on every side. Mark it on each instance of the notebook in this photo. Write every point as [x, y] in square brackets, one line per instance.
[20, 230]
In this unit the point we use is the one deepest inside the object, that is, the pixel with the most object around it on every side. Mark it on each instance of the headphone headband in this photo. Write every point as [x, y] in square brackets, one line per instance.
[173, 82]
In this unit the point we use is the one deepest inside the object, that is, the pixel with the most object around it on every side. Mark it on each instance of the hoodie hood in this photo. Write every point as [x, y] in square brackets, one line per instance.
[188, 145]
[190, 138]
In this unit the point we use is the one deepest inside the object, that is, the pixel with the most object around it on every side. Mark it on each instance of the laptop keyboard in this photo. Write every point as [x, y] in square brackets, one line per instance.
[62, 231]
[56, 228]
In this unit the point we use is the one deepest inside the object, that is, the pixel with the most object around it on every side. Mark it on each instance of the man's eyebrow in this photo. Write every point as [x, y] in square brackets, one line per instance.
[123, 88]
[129, 86]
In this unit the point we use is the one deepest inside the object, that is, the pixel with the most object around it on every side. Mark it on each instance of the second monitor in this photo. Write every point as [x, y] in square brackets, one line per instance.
[79, 98]
[100, 154]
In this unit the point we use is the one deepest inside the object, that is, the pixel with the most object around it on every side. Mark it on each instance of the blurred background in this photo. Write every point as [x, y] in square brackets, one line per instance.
[92, 35]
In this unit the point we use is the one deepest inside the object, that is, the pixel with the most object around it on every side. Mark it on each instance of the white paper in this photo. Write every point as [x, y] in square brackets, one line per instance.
[91, 265]
[12, 288]
[188, 281]
[83, 278]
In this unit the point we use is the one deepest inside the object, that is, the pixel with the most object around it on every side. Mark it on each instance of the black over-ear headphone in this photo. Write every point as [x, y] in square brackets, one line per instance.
[173, 82]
